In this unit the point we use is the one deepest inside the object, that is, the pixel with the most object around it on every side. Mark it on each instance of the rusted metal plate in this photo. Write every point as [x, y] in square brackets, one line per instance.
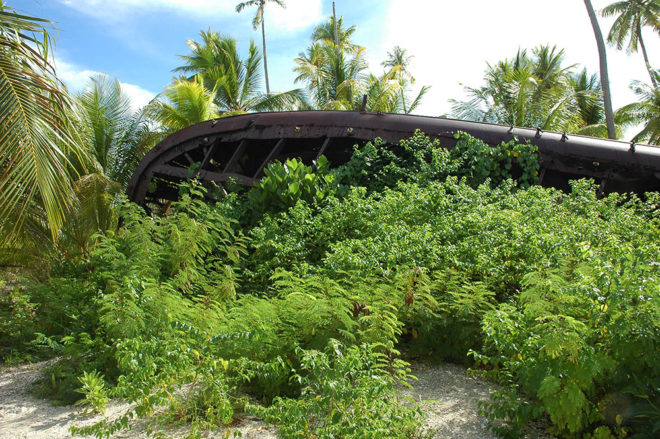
[240, 146]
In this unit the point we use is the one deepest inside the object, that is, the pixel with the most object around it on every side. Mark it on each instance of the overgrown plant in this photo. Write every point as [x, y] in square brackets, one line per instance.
[421, 160]
[134, 283]
[577, 341]
[286, 183]
[345, 392]
[190, 315]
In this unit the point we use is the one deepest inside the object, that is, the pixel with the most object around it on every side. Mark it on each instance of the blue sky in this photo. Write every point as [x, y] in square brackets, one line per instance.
[137, 40]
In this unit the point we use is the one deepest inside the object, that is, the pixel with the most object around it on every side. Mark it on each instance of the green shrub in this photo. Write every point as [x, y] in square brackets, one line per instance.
[136, 282]
[582, 336]
[378, 165]
[93, 389]
[477, 161]
[480, 248]
[17, 324]
[346, 392]
[284, 184]
[200, 378]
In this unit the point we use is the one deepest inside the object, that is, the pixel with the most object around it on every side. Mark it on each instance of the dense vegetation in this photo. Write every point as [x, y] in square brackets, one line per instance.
[301, 299]
[294, 300]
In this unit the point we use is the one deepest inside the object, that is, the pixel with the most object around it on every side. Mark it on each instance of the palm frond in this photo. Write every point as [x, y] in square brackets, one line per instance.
[92, 211]
[182, 104]
[288, 100]
[645, 112]
[418, 99]
[116, 136]
[35, 144]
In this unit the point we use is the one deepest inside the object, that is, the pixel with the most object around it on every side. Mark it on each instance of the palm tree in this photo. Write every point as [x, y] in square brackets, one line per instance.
[531, 91]
[309, 69]
[324, 33]
[36, 139]
[632, 16]
[335, 78]
[399, 57]
[116, 137]
[588, 99]
[182, 104]
[234, 82]
[259, 19]
[384, 93]
[645, 112]
[604, 75]
[590, 116]
[398, 60]
[334, 74]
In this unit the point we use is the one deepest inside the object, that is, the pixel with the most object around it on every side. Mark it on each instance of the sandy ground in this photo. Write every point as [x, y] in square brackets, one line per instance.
[449, 396]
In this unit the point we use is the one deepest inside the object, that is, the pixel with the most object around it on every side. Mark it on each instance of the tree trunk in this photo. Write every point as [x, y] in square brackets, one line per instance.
[403, 100]
[334, 18]
[263, 37]
[646, 57]
[604, 76]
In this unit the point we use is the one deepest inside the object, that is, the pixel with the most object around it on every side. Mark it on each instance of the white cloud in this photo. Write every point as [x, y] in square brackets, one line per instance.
[452, 41]
[298, 14]
[77, 79]
[139, 97]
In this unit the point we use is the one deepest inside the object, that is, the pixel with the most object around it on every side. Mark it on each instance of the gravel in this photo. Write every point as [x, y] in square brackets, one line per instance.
[449, 396]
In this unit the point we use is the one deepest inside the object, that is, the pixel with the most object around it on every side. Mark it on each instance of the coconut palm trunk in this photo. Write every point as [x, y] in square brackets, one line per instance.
[604, 76]
[260, 19]
[263, 38]
[646, 56]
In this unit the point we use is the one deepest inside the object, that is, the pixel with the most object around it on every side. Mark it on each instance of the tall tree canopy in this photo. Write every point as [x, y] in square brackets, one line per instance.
[336, 75]
[234, 81]
[115, 136]
[631, 17]
[530, 90]
[324, 33]
[645, 112]
[590, 116]
[398, 61]
[182, 104]
[259, 19]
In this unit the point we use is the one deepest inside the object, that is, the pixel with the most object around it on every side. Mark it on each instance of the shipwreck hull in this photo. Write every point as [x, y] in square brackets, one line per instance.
[239, 148]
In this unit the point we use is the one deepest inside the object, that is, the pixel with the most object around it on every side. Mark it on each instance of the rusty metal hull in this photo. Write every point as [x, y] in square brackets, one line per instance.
[239, 148]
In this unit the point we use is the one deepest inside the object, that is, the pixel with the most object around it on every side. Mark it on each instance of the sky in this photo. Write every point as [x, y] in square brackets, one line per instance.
[137, 41]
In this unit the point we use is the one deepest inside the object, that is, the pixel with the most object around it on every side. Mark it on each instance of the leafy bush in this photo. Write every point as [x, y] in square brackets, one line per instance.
[93, 389]
[17, 323]
[478, 161]
[199, 378]
[284, 184]
[378, 165]
[136, 283]
[480, 248]
[578, 338]
[346, 392]
[154, 311]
